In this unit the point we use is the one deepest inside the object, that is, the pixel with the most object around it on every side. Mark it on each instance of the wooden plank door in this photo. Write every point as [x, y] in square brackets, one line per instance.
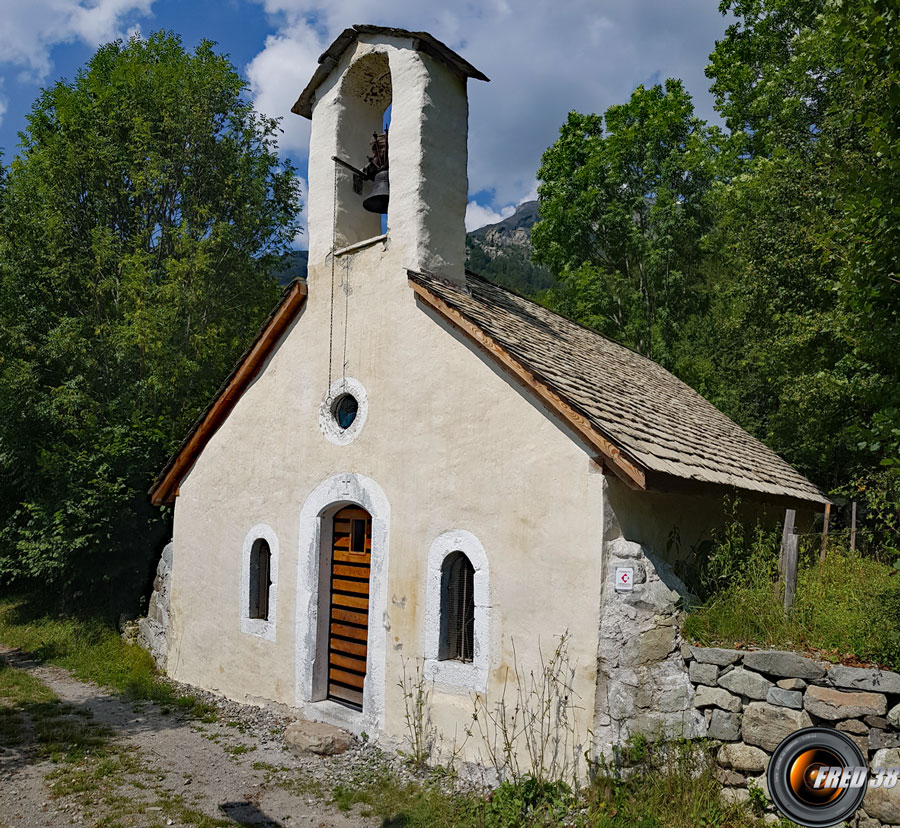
[349, 615]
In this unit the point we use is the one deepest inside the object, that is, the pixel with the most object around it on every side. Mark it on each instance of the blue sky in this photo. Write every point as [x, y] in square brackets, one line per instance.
[543, 60]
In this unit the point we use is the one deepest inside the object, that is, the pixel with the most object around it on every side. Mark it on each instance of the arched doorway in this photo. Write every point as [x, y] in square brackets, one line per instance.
[313, 607]
[348, 611]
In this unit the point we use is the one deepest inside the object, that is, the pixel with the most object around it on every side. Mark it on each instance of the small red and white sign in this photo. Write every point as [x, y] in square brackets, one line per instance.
[624, 578]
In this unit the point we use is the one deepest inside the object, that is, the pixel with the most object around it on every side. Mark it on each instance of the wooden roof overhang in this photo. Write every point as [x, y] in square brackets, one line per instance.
[165, 488]
[609, 456]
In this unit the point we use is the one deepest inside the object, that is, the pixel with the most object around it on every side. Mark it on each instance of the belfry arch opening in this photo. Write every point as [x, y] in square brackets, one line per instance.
[363, 141]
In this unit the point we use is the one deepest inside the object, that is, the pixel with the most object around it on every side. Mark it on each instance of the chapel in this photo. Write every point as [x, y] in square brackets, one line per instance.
[413, 466]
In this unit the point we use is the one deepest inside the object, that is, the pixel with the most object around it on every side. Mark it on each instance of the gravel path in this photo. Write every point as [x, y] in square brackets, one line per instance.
[167, 768]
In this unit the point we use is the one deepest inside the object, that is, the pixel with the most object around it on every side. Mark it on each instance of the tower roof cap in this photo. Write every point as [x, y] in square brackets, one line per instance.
[422, 41]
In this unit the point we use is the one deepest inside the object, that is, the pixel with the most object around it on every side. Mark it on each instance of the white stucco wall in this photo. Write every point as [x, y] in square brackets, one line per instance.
[451, 442]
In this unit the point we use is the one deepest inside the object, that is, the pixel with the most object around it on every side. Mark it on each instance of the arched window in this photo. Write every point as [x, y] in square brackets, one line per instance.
[457, 639]
[260, 579]
[458, 613]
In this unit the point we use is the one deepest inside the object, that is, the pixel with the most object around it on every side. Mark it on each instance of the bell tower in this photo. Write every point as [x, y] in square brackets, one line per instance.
[389, 129]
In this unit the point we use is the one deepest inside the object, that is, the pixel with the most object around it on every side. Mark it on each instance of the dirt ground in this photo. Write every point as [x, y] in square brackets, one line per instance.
[145, 766]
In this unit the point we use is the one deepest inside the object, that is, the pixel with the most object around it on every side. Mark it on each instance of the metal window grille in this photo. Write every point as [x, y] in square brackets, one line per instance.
[260, 580]
[457, 608]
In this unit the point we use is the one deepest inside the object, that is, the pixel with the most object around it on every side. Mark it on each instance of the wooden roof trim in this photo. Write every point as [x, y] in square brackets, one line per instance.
[165, 488]
[612, 456]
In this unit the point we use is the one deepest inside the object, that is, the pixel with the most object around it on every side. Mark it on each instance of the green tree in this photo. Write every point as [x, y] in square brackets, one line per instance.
[138, 228]
[807, 235]
[623, 207]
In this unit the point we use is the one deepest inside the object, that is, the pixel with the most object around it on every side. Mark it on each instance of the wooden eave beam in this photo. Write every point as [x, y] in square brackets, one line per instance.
[670, 484]
[613, 458]
[165, 490]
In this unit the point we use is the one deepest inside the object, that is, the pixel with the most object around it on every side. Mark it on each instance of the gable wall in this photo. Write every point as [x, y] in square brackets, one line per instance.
[452, 443]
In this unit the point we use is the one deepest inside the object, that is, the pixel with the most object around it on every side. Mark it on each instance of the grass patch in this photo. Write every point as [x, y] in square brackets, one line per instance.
[847, 607]
[408, 804]
[669, 785]
[666, 785]
[19, 690]
[92, 649]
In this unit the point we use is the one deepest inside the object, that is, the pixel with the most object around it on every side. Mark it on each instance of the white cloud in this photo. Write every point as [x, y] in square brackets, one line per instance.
[584, 55]
[31, 28]
[3, 105]
[477, 215]
[277, 76]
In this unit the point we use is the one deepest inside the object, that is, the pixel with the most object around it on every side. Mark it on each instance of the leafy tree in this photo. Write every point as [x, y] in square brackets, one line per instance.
[808, 232]
[138, 228]
[623, 207]
[784, 235]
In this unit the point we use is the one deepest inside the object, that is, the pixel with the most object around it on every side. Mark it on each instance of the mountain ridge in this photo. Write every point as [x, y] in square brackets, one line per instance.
[499, 252]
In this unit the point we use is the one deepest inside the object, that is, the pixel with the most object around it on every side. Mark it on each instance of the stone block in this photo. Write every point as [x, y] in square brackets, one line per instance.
[765, 725]
[893, 716]
[883, 804]
[852, 726]
[786, 665]
[686, 725]
[735, 796]
[316, 737]
[860, 678]
[622, 548]
[716, 697]
[716, 655]
[724, 726]
[836, 704]
[880, 739]
[877, 721]
[654, 645]
[741, 757]
[791, 684]
[746, 683]
[703, 673]
[785, 698]
[732, 778]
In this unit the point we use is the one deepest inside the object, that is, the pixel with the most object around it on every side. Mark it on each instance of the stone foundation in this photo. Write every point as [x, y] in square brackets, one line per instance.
[752, 699]
[642, 684]
[152, 629]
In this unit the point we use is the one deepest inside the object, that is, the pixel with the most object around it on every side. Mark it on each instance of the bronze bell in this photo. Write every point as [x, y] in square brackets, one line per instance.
[377, 200]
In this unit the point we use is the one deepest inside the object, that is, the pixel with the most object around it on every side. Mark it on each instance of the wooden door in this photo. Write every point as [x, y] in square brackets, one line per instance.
[348, 628]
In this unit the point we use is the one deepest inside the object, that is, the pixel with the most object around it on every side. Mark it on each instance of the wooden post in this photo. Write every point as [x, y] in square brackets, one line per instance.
[825, 533]
[853, 527]
[788, 559]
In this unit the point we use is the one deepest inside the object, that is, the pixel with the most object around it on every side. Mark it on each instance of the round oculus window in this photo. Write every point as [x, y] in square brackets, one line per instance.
[344, 410]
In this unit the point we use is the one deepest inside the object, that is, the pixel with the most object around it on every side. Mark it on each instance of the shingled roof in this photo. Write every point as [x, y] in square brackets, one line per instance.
[422, 42]
[650, 428]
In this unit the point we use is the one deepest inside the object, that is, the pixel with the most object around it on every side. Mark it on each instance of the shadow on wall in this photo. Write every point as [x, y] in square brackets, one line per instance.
[674, 526]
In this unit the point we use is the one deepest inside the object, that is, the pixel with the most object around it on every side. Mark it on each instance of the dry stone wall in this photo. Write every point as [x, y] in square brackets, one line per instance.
[752, 699]
[152, 629]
